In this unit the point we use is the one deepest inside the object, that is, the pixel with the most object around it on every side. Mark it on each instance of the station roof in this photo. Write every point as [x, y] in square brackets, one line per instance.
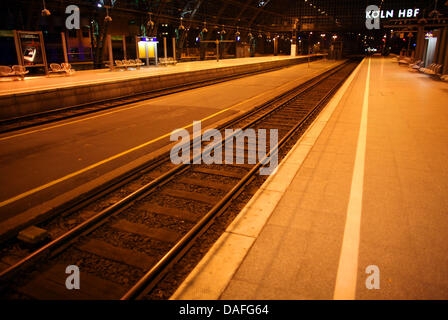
[254, 15]
[281, 15]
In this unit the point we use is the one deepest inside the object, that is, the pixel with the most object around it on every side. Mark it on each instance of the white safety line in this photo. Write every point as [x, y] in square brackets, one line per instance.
[345, 288]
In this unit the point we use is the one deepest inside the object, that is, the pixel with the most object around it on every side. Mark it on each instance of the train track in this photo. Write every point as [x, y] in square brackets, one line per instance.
[37, 119]
[127, 241]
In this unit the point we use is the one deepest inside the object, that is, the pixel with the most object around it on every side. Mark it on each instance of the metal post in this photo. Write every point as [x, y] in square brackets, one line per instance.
[64, 47]
[18, 48]
[137, 55]
[165, 48]
[109, 44]
[217, 50]
[44, 55]
[124, 48]
[156, 54]
[275, 45]
[147, 54]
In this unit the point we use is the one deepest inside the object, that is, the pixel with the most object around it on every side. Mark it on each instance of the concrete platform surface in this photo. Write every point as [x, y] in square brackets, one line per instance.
[357, 210]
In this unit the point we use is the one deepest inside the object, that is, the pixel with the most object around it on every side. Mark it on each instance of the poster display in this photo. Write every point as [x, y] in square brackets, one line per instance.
[30, 49]
[31, 52]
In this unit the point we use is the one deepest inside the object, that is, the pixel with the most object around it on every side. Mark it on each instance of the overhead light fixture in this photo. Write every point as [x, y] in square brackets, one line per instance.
[181, 26]
[45, 12]
[107, 18]
[150, 23]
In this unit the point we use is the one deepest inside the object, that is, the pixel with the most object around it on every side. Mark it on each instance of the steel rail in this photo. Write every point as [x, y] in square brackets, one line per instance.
[60, 243]
[94, 195]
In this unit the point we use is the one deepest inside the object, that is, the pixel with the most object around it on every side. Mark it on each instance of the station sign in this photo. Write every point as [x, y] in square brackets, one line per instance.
[385, 14]
[374, 15]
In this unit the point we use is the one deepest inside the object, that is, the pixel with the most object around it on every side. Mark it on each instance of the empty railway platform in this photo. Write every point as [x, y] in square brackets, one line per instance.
[363, 191]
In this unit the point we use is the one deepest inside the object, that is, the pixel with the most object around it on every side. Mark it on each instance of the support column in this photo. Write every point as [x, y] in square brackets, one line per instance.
[17, 43]
[438, 35]
[109, 45]
[444, 54]
[125, 56]
[275, 46]
[44, 54]
[440, 53]
[147, 54]
[156, 57]
[64, 46]
[165, 48]
[420, 43]
[217, 50]
[136, 48]
[174, 48]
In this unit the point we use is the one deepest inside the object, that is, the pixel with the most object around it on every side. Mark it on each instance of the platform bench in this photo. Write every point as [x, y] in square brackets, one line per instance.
[63, 68]
[15, 71]
[167, 61]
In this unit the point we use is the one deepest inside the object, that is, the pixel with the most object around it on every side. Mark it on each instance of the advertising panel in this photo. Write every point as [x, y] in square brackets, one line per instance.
[30, 49]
